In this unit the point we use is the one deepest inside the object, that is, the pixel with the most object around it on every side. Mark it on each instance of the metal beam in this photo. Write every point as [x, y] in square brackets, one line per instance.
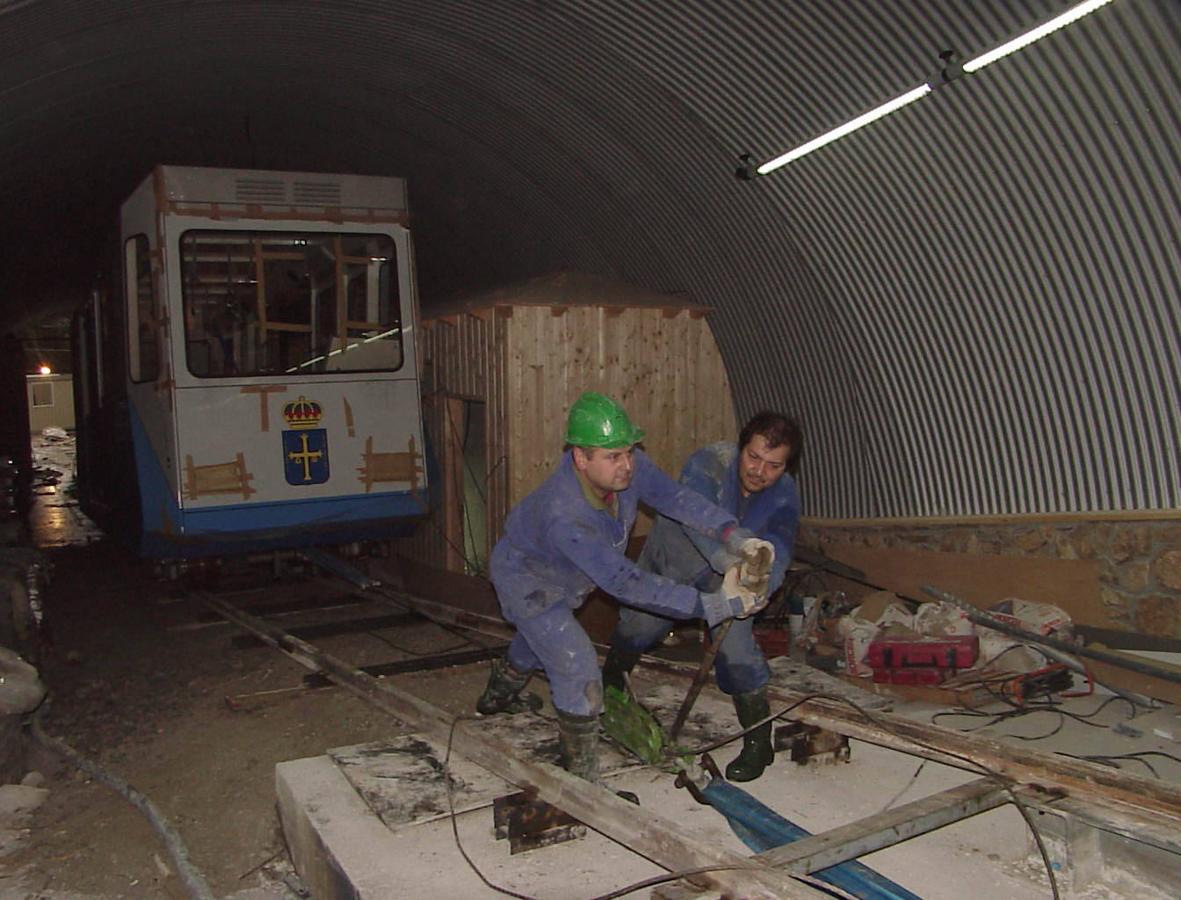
[820, 851]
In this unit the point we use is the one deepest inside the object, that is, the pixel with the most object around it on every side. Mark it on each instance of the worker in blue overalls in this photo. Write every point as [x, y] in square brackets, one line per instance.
[570, 535]
[752, 480]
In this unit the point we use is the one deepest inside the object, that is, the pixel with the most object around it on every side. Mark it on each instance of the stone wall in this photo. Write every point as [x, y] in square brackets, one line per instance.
[1139, 561]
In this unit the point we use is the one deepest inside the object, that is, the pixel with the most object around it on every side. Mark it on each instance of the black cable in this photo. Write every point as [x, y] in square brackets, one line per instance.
[1110, 759]
[451, 809]
[391, 595]
[619, 892]
[1019, 710]
[905, 787]
[415, 653]
[979, 768]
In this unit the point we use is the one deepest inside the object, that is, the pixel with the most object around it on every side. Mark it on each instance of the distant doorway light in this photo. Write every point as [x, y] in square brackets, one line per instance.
[974, 65]
[45, 370]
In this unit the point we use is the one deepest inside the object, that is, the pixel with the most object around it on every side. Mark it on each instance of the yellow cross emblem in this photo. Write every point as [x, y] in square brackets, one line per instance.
[305, 457]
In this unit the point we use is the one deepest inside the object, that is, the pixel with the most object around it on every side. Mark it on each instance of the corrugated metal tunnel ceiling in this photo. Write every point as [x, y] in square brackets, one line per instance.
[973, 304]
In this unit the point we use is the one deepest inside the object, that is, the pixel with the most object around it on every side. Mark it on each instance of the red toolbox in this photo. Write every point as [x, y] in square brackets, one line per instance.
[912, 675]
[958, 652]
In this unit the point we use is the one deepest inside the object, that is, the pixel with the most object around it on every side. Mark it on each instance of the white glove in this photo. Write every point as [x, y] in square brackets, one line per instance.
[744, 601]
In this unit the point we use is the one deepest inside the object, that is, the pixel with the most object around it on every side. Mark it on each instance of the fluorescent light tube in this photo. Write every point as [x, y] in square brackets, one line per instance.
[1034, 34]
[974, 65]
[841, 130]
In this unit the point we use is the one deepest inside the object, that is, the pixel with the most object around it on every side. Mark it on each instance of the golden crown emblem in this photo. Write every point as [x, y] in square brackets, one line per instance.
[302, 413]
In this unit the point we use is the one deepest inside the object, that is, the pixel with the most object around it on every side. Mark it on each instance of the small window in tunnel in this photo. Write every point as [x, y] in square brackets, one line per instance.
[259, 303]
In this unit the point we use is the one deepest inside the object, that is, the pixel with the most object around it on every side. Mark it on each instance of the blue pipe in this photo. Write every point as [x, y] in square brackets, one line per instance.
[761, 828]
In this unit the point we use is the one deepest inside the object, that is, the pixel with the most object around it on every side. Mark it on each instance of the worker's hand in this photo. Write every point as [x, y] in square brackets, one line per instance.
[744, 600]
[755, 578]
[758, 557]
[757, 553]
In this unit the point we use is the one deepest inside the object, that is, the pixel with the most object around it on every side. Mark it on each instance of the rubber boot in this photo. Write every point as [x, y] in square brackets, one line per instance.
[757, 752]
[617, 667]
[503, 693]
[578, 737]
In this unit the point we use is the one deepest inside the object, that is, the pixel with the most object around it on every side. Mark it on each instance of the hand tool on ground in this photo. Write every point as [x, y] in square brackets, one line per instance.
[627, 722]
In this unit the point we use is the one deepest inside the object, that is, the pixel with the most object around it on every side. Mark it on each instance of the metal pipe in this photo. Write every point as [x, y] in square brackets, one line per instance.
[1114, 659]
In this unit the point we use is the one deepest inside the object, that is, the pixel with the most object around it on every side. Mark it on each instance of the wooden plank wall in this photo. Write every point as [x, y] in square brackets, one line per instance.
[464, 355]
[662, 365]
[529, 363]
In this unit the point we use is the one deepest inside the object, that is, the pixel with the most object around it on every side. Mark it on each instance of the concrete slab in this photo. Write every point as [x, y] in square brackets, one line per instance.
[343, 848]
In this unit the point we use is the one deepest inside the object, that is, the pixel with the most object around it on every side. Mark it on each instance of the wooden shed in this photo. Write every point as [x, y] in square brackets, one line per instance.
[500, 370]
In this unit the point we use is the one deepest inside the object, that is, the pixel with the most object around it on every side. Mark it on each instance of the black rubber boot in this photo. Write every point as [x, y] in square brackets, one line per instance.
[757, 752]
[503, 693]
[618, 666]
[578, 737]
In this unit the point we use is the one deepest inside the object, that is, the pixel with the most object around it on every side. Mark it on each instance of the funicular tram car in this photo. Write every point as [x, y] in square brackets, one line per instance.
[248, 380]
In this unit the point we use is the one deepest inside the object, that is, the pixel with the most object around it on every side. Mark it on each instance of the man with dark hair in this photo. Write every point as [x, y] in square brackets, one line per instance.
[568, 536]
[753, 481]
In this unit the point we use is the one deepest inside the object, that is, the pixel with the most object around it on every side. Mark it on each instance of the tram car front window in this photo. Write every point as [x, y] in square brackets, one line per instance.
[261, 303]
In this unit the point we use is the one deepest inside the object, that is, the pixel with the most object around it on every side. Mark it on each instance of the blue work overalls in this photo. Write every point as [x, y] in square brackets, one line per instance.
[557, 547]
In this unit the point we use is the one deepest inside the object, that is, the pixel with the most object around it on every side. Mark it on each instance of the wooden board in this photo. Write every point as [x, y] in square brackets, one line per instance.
[1071, 584]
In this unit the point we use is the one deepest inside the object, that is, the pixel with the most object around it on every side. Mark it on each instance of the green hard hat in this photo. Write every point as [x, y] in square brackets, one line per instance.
[598, 421]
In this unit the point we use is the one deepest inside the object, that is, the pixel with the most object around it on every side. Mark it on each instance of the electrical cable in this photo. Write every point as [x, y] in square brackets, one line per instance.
[415, 653]
[905, 787]
[979, 768]
[451, 810]
[618, 892]
[194, 882]
[1110, 759]
[463, 634]
[1017, 710]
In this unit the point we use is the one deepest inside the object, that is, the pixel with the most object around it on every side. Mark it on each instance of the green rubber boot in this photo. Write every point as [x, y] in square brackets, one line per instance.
[617, 667]
[757, 752]
[504, 692]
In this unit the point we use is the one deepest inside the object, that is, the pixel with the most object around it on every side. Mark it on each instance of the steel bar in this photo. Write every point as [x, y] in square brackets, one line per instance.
[830, 848]
[330, 629]
[1142, 667]
[417, 664]
[642, 831]
[707, 664]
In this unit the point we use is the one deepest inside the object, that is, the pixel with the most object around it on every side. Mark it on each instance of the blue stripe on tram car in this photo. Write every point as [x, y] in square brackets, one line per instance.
[170, 532]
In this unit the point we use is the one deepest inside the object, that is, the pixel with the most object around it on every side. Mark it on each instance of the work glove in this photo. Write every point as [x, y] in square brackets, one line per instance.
[733, 601]
[757, 553]
[737, 590]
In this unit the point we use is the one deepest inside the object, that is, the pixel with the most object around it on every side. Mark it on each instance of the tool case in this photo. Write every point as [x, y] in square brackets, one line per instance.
[953, 652]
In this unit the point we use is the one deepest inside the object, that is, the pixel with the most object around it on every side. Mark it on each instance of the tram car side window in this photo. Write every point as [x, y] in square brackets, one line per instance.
[143, 331]
[298, 303]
